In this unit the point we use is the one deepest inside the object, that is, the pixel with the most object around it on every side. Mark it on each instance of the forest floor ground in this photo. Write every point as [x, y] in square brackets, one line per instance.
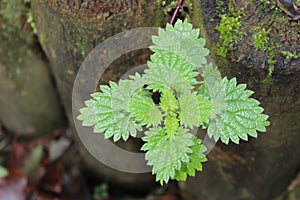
[50, 167]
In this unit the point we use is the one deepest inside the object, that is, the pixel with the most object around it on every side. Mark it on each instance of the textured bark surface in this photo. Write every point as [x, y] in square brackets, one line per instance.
[69, 30]
[29, 104]
[261, 168]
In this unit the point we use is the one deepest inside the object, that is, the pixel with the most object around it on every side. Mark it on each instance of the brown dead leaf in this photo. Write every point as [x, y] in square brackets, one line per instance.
[17, 155]
[53, 179]
[166, 197]
[58, 132]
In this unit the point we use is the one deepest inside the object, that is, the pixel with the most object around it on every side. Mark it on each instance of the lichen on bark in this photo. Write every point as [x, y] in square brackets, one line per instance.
[281, 34]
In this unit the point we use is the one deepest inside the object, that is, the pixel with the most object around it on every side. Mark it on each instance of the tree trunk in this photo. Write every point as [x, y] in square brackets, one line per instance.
[261, 168]
[29, 104]
[69, 30]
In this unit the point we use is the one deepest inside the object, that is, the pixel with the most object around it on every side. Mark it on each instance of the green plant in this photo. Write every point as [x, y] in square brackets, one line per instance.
[100, 191]
[168, 5]
[30, 21]
[289, 56]
[261, 39]
[120, 109]
[229, 27]
[271, 60]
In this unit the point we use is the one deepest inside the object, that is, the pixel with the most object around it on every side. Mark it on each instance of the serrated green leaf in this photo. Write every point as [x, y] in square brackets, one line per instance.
[189, 114]
[240, 115]
[143, 109]
[213, 88]
[195, 110]
[167, 154]
[138, 79]
[168, 101]
[107, 111]
[183, 40]
[211, 75]
[196, 158]
[161, 77]
[169, 70]
[122, 93]
[171, 124]
[175, 61]
[203, 91]
[98, 108]
[206, 109]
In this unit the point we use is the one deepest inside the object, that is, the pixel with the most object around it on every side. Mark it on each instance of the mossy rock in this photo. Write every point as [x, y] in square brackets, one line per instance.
[28, 101]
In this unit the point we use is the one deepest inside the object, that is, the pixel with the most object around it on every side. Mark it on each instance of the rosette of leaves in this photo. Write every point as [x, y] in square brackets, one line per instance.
[222, 106]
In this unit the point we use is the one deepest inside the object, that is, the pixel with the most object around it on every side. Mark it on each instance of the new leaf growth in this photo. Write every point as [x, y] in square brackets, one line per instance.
[220, 105]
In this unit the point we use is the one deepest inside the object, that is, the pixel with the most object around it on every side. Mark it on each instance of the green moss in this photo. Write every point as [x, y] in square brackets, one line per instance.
[268, 80]
[260, 39]
[11, 12]
[266, 36]
[289, 55]
[159, 2]
[261, 42]
[198, 21]
[229, 27]
[168, 6]
[30, 21]
[271, 60]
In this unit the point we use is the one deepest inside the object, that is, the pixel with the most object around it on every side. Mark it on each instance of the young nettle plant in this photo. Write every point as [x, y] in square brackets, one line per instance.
[219, 105]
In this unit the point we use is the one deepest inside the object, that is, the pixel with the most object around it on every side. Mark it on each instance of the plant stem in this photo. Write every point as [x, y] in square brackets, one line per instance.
[176, 11]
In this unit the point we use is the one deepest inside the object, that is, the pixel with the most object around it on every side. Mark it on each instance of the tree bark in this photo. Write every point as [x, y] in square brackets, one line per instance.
[261, 168]
[29, 104]
[69, 30]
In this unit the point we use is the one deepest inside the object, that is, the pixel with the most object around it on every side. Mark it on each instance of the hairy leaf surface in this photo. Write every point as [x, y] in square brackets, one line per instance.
[183, 40]
[143, 109]
[107, 112]
[195, 110]
[169, 70]
[189, 114]
[212, 88]
[197, 157]
[168, 101]
[206, 109]
[241, 116]
[167, 154]
[121, 95]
